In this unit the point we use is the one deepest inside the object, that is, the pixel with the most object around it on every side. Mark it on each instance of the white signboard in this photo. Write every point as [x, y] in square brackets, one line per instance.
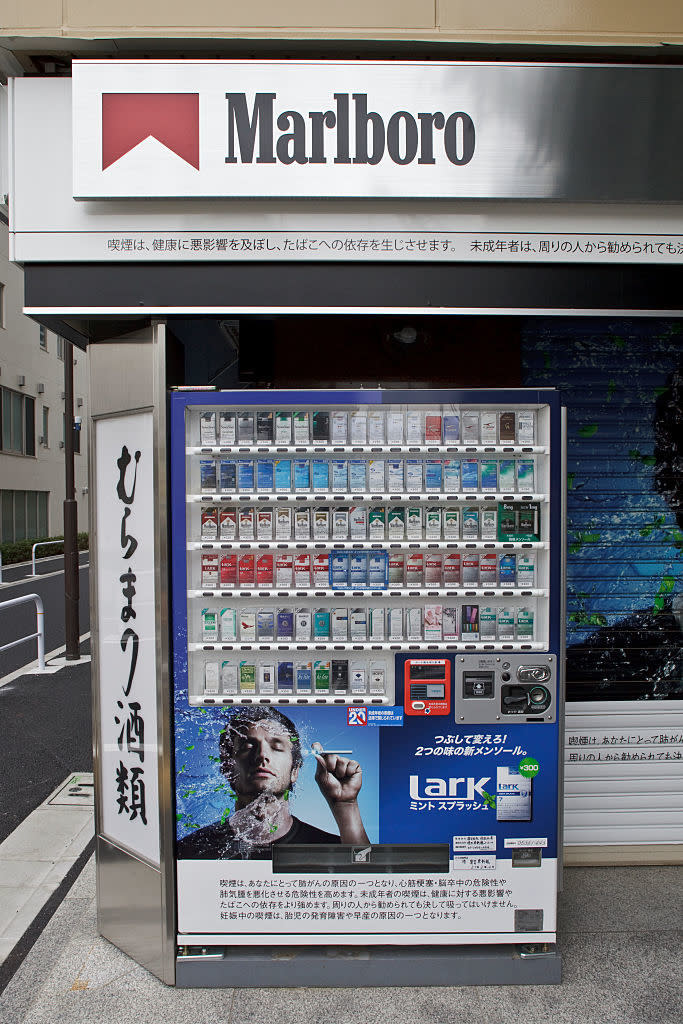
[126, 633]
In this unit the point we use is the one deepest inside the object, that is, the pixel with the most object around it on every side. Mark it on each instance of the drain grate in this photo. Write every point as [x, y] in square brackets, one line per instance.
[77, 791]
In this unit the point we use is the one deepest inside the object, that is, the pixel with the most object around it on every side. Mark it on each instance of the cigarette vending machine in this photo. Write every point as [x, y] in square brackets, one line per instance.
[366, 600]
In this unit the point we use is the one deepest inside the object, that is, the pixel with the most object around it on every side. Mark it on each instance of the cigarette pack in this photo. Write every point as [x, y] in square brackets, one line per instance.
[339, 427]
[488, 569]
[433, 475]
[470, 523]
[284, 569]
[207, 474]
[265, 475]
[207, 428]
[470, 427]
[414, 476]
[432, 565]
[245, 427]
[376, 476]
[357, 673]
[507, 570]
[506, 624]
[432, 428]
[246, 523]
[210, 565]
[414, 623]
[488, 427]
[451, 524]
[209, 523]
[395, 623]
[264, 524]
[209, 625]
[525, 427]
[506, 475]
[304, 676]
[358, 522]
[227, 429]
[487, 623]
[377, 619]
[489, 524]
[470, 569]
[377, 523]
[283, 523]
[339, 624]
[470, 474]
[396, 569]
[246, 474]
[339, 570]
[358, 570]
[451, 569]
[470, 622]
[266, 678]
[507, 521]
[513, 795]
[302, 524]
[285, 677]
[283, 475]
[302, 430]
[228, 471]
[526, 571]
[321, 475]
[247, 677]
[415, 570]
[320, 426]
[229, 678]
[283, 428]
[358, 624]
[394, 428]
[265, 625]
[321, 523]
[525, 475]
[228, 522]
[322, 676]
[321, 570]
[433, 622]
[359, 427]
[451, 428]
[506, 427]
[302, 571]
[433, 523]
[489, 475]
[340, 476]
[528, 516]
[302, 625]
[525, 625]
[357, 476]
[394, 475]
[377, 679]
[377, 570]
[450, 623]
[302, 475]
[264, 427]
[265, 570]
[396, 523]
[228, 625]
[413, 427]
[340, 523]
[321, 624]
[228, 570]
[285, 624]
[340, 675]
[247, 626]
[211, 677]
[246, 570]
[376, 433]
[413, 522]
[451, 476]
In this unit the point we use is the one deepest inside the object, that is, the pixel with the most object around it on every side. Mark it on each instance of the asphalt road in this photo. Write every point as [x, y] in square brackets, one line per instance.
[21, 621]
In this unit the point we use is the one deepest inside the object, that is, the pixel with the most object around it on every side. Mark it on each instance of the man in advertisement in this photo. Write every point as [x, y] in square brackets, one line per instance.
[261, 757]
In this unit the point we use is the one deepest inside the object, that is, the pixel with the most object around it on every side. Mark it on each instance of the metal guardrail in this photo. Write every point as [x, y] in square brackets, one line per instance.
[40, 544]
[39, 635]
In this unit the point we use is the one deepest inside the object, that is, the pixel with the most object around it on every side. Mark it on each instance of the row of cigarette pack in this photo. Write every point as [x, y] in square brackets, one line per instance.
[367, 426]
[323, 677]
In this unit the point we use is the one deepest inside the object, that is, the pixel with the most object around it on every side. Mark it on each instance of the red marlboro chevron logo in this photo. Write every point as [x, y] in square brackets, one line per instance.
[170, 117]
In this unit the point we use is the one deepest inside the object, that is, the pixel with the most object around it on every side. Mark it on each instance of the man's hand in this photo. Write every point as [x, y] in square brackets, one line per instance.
[339, 778]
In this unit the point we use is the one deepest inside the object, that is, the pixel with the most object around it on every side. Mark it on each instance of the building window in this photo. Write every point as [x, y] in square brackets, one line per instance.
[17, 423]
[23, 515]
[43, 337]
[60, 348]
[45, 437]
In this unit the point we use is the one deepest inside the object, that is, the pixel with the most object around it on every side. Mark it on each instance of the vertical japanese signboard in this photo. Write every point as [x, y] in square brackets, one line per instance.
[126, 642]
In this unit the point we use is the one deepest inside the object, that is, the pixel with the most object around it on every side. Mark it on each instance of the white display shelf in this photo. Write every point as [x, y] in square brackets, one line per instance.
[376, 545]
[368, 449]
[385, 646]
[328, 498]
[253, 593]
[300, 699]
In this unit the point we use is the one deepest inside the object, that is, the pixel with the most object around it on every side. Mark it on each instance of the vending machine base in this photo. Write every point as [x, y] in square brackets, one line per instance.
[353, 966]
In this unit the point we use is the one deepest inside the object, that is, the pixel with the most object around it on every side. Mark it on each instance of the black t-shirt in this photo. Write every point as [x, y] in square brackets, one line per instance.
[218, 842]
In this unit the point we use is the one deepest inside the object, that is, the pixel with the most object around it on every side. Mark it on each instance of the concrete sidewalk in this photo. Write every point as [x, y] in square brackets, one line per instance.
[621, 934]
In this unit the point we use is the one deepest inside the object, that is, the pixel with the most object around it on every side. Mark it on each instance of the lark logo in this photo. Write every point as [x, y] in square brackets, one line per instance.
[172, 118]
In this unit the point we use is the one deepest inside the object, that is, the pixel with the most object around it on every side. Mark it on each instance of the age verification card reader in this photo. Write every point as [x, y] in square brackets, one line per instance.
[427, 686]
